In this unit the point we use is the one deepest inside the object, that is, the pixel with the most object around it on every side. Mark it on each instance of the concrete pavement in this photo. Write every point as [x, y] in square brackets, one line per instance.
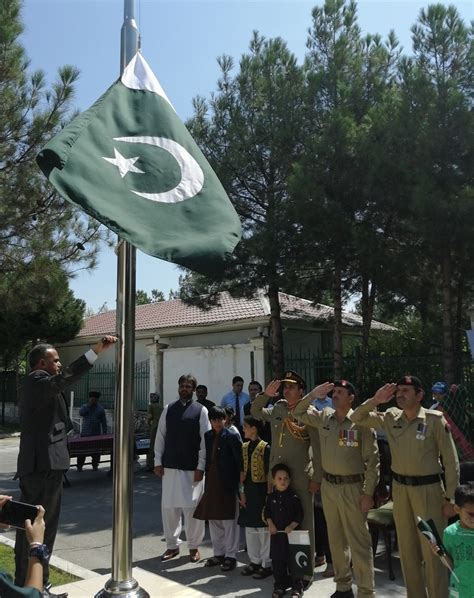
[85, 537]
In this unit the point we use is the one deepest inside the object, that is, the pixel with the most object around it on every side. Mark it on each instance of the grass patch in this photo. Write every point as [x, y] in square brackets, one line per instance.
[56, 576]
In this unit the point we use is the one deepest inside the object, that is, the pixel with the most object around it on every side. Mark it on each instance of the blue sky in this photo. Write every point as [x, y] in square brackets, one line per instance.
[181, 41]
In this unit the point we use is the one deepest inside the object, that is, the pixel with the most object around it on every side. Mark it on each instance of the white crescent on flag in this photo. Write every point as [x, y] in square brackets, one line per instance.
[192, 176]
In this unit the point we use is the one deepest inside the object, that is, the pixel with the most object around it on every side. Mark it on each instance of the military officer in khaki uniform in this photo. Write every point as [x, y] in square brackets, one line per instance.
[417, 438]
[350, 463]
[292, 444]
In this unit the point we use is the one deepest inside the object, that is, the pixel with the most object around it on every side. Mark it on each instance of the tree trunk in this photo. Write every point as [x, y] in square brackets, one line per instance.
[337, 329]
[276, 333]
[449, 366]
[367, 304]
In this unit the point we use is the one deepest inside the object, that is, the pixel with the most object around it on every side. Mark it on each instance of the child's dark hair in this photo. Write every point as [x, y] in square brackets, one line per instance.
[229, 411]
[216, 413]
[464, 494]
[280, 467]
[252, 421]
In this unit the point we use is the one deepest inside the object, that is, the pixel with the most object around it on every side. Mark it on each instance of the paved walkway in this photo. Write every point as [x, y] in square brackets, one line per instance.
[84, 539]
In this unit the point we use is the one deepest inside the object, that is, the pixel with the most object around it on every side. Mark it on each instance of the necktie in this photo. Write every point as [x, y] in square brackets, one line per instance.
[237, 411]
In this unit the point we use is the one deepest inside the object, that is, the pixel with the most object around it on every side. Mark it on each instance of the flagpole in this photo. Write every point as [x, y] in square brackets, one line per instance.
[121, 582]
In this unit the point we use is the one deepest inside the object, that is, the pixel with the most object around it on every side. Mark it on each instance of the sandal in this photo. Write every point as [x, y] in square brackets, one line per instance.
[250, 569]
[228, 564]
[213, 561]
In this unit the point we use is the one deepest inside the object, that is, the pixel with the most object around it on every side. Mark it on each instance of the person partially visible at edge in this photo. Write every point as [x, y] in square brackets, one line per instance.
[236, 399]
[293, 444]
[254, 389]
[44, 455]
[154, 411]
[38, 554]
[419, 439]
[440, 393]
[350, 472]
[321, 540]
[180, 460]
[94, 423]
[201, 396]
[458, 539]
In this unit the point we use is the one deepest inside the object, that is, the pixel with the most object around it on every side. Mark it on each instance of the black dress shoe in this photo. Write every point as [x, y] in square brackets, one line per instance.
[343, 594]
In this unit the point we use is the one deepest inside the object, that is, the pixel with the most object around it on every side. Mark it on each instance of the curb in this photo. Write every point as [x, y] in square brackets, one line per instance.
[59, 563]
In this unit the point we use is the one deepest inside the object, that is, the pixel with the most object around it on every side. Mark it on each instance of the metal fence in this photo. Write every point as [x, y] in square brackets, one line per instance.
[102, 378]
[379, 369]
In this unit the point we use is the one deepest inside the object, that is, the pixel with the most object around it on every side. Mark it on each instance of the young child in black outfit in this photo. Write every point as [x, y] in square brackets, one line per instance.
[284, 513]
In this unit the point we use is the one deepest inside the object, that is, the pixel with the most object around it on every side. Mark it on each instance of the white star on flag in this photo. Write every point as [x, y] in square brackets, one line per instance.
[124, 164]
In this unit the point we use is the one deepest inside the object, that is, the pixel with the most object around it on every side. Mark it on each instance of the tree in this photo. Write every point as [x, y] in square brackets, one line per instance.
[36, 308]
[142, 297]
[35, 223]
[326, 178]
[250, 130]
[437, 90]
[43, 239]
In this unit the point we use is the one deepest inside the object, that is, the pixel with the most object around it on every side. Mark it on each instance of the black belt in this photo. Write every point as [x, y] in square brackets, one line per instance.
[421, 480]
[343, 479]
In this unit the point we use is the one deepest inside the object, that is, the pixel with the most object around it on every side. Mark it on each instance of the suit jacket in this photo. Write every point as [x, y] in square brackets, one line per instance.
[44, 420]
[229, 457]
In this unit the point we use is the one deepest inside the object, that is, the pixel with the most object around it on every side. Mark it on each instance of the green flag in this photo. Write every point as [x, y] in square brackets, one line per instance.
[130, 162]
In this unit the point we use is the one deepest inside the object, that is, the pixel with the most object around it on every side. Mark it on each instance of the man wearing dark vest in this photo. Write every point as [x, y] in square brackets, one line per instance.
[44, 455]
[180, 460]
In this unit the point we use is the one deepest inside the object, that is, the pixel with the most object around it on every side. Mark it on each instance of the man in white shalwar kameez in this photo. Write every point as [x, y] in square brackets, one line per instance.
[180, 459]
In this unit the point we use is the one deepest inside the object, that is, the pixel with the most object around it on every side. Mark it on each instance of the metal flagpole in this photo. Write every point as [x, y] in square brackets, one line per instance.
[122, 583]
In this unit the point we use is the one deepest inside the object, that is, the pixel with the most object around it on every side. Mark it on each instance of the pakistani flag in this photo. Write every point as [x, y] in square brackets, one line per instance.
[300, 554]
[130, 163]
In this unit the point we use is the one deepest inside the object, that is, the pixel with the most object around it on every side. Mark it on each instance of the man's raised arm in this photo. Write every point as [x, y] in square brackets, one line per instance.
[302, 411]
[364, 415]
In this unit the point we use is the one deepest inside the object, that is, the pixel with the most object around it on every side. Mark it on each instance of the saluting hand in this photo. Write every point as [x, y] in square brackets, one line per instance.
[385, 393]
[272, 388]
[322, 390]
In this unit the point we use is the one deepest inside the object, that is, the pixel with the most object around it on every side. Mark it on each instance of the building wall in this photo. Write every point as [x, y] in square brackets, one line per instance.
[213, 366]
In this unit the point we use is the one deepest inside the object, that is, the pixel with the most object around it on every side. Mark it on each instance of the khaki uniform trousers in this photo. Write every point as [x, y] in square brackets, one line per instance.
[348, 537]
[425, 502]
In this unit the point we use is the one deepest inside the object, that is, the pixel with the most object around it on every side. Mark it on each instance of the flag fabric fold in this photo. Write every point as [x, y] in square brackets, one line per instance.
[130, 162]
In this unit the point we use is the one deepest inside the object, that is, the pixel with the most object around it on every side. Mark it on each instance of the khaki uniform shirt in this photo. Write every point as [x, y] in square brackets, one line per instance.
[285, 447]
[415, 445]
[346, 449]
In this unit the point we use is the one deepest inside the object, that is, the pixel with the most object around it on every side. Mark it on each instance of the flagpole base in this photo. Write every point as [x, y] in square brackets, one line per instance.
[122, 589]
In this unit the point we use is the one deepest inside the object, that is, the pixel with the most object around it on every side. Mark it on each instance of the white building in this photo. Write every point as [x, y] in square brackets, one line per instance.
[228, 339]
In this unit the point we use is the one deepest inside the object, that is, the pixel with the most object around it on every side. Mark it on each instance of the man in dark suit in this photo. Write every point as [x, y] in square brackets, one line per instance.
[44, 455]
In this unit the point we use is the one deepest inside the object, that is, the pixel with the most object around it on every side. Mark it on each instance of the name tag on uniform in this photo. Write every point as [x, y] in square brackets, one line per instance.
[421, 431]
[348, 438]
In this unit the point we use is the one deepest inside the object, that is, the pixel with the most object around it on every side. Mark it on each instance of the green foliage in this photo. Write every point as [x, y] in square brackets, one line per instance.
[34, 221]
[142, 297]
[352, 174]
[36, 308]
[43, 239]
